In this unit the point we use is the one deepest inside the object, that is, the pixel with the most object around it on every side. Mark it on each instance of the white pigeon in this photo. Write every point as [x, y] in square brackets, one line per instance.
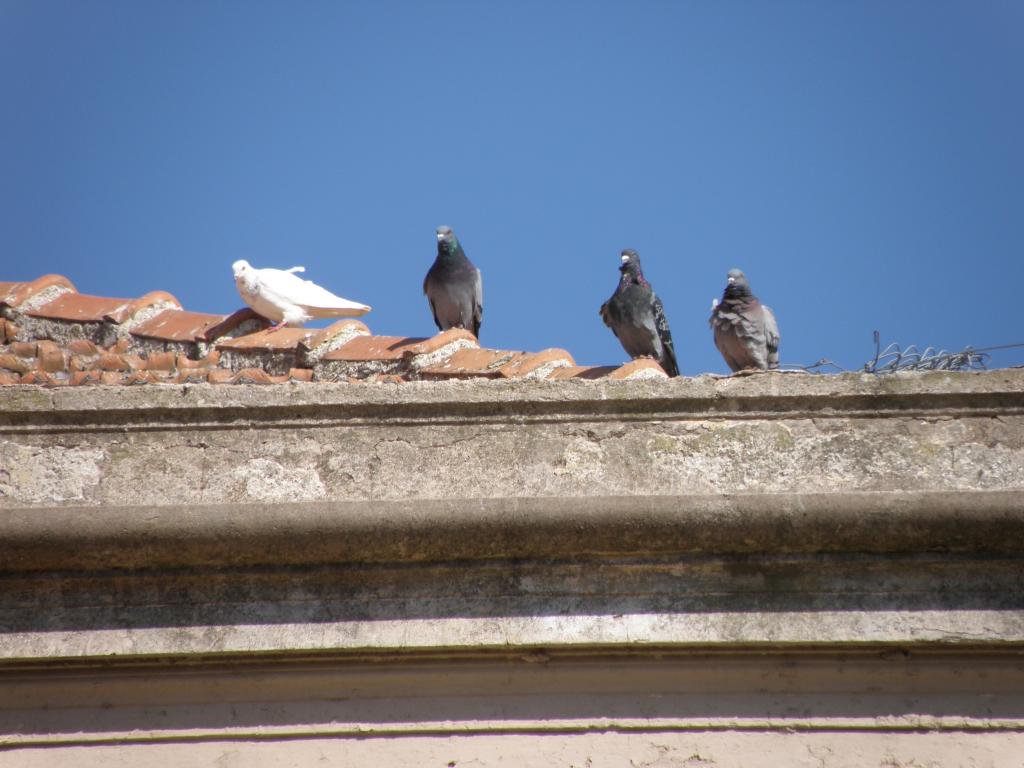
[285, 299]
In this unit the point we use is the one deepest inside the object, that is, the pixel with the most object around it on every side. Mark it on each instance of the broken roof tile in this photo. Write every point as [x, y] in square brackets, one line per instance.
[238, 323]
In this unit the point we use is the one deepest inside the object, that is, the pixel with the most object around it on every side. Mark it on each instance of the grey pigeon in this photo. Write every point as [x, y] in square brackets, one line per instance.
[746, 332]
[636, 317]
[453, 286]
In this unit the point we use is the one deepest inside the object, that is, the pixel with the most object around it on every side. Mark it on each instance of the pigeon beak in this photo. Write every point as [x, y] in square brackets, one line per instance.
[732, 280]
[625, 259]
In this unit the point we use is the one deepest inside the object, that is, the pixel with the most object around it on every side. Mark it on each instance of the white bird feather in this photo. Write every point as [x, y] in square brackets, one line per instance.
[285, 299]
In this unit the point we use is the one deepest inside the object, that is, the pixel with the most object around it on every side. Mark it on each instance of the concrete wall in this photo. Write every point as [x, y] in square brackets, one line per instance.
[774, 569]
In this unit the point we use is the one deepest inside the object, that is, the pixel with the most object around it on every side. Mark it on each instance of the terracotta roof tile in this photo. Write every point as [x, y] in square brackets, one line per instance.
[332, 337]
[374, 348]
[220, 376]
[471, 363]
[51, 357]
[82, 308]
[582, 372]
[268, 341]
[160, 361]
[278, 351]
[210, 360]
[24, 348]
[155, 301]
[40, 377]
[79, 308]
[439, 348]
[442, 340]
[8, 331]
[238, 323]
[140, 377]
[257, 376]
[111, 377]
[641, 368]
[83, 347]
[85, 377]
[26, 296]
[193, 376]
[537, 366]
[15, 364]
[52, 335]
[178, 325]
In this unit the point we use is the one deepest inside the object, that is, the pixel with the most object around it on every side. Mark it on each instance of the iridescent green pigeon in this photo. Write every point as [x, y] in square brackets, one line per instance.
[453, 286]
[746, 332]
[637, 318]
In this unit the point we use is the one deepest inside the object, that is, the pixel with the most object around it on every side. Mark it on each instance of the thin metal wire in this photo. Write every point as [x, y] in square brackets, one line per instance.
[894, 358]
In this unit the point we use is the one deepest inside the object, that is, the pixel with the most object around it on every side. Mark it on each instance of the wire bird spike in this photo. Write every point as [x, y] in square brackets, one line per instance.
[893, 359]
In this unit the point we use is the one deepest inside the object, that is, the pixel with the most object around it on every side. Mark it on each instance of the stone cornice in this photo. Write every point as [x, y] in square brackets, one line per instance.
[437, 530]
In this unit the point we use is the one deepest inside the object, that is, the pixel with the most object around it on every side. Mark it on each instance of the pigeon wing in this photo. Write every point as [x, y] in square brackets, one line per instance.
[478, 303]
[772, 336]
[661, 325]
[606, 315]
[283, 287]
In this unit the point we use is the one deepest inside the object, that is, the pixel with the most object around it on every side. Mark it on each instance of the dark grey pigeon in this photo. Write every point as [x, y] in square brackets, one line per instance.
[746, 332]
[636, 317]
[453, 286]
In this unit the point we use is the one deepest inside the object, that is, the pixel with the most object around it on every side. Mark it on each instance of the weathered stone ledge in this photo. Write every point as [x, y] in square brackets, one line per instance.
[436, 530]
[785, 394]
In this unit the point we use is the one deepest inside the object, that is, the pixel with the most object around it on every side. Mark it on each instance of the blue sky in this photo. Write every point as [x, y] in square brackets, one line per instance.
[863, 162]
